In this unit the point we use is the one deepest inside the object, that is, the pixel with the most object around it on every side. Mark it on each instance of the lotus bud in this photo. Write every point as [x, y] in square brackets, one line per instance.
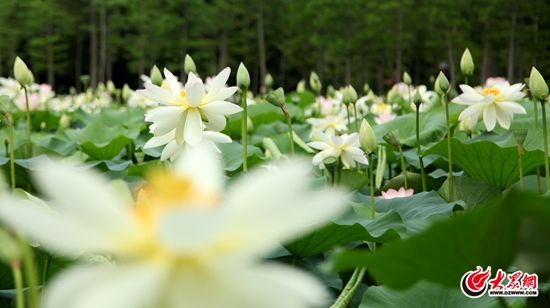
[64, 121]
[268, 81]
[22, 73]
[126, 92]
[111, 87]
[417, 98]
[537, 85]
[331, 91]
[366, 88]
[301, 86]
[276, 98]
[243, 78]
[349, 95]
[156, 76]
[467, 63]
[392, 138]
[441, 84]
[315, 83]
[189, 65]
[367, 139]
[407, 78]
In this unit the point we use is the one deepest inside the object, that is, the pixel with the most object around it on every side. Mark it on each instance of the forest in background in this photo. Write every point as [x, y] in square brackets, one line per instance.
[345, 41]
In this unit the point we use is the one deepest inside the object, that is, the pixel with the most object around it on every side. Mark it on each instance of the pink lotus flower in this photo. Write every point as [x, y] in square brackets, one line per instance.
[384, 118]
[392, 193]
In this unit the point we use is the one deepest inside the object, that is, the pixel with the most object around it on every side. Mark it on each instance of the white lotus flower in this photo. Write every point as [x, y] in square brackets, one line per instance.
[330, 124]
[172, 149]
[182, 244]
[497, 103]
[185, 107]
[345, 147]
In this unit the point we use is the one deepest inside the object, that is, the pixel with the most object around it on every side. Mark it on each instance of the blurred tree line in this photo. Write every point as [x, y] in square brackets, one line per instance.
[345, 41]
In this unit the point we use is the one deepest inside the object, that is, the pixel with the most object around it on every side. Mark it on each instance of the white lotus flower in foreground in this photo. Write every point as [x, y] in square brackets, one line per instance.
[345, 147]
[189, 109]
[182, 244]
[497, 103]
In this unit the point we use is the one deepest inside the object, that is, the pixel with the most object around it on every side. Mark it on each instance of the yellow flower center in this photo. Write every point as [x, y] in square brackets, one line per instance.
[182, 99]
[492, 90]
[165, 190]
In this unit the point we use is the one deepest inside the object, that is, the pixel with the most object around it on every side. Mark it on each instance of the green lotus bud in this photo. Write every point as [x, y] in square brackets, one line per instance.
[366, 88]
[268, 81]
[189, 65]
[315, 83]
[537, 85]
[349, 95]
[441, 84]
[9, 248]
[64, 121]
[467, 63]
[367, 139]
[111, 86]
[417, 98]
[243, 78]
[331, 91]
[301, 86]
[22, 73]
[156, 76]
[125, 94]
[407, 78]
[392, 138]
[276, 98]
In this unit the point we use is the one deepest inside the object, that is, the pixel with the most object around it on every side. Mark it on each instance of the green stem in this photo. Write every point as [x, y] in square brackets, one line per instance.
[356, 117]
[536, 110]
[12, 152]
[520, 166]
[403, 167]
[419, 150]
[29, 127]
[244, 130]
[371, 182]
[349, 290]
[18, 281]
[545, 133]
[449, 147]
[466, 80]
[31, 275]
[46, 268]
[290, 129]
[349, 117]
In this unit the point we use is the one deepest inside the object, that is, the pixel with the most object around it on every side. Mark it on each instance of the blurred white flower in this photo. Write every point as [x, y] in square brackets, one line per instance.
[330, 124]
[181, 244]
[498, 103]
[382, 118]
[345, 147]
[494, 81]
[184, 108]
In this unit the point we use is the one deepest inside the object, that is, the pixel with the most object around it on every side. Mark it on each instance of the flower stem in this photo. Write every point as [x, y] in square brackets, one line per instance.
[419, 150]
[31, 275]
[403, 167]
[349, 290]
[520, 166]
[18, 281]
[371, 182]
[466, 80]
[449, 147]
[537, 170]
[290, 129]
[11, 145]
[545, 133]
[356, 117]
[244, 130]
[46, 268]
[29, 127]
[349, 116]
